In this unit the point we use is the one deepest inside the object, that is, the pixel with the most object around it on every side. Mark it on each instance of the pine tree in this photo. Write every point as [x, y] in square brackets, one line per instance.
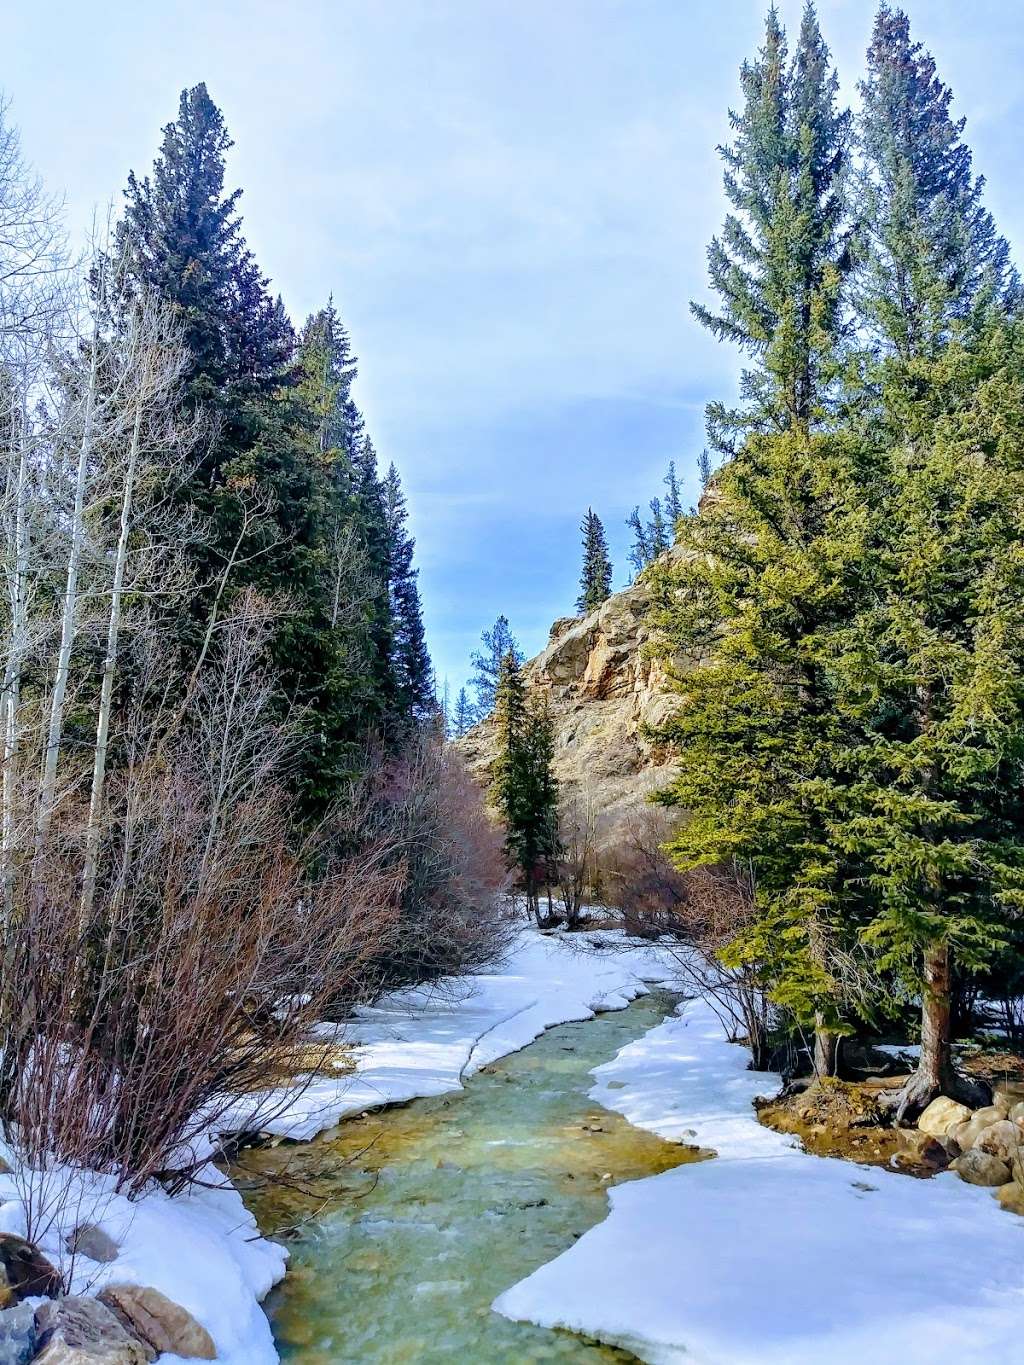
[596, 576]
[410, 658]
[704, 469]
[776, 557]
[498, 643]
[182, 237]
[657, 531]
[931, 255]
[523, 785]
[673, 502]
[462, 715]
[932, 814]
[779, 264]
[640, 550]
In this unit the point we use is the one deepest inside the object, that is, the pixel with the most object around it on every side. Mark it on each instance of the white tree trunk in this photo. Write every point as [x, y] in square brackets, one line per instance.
[48, 784]
[92, 836]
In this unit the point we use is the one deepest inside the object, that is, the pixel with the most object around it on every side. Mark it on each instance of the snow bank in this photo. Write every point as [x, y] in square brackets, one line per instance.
[767, 1256]
[203, 1250]
[425, 1041]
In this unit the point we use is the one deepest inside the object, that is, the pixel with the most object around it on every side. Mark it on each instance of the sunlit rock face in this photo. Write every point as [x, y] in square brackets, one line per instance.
[603, 691]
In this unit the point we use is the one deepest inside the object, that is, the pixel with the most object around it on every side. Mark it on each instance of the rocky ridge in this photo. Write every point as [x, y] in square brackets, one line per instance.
[603, 691]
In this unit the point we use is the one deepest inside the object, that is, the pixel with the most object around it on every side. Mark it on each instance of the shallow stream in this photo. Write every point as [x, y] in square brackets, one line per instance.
[406, 1224]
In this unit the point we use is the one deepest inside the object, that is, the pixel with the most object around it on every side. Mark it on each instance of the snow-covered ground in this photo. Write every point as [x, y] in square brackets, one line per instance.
[767, 1256]
[203, 1249]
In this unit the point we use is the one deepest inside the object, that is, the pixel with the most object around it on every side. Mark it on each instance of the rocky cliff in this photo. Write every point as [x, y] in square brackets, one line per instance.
[602, 692]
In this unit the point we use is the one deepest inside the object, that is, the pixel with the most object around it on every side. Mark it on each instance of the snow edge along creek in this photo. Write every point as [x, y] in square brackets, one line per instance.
[203, 1249]
[766, 1255]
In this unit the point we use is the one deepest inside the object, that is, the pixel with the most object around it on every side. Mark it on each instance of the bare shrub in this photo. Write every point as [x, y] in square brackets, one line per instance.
[216, 939]
[430, 811]
[695, 916]
[577, 867]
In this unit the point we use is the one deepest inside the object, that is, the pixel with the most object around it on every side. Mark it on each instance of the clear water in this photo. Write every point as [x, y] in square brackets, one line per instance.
[435, 1207]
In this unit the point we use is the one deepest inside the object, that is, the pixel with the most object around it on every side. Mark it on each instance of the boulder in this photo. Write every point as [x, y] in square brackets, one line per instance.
[77, 1331]
[159, 1321]
[17, 1335]
[981, 1168]
[941, 1116]
[24, 1271]
[90, 1240]
[1011, 1197]
[990, 1113]
[1007, 1094]
[1003, 1139]
[1017, 1112]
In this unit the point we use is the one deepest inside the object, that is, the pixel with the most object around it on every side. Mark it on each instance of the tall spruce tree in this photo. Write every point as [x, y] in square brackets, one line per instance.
[410, 657]
[931, 257]
[640, 549]
[462, 714]
[497, 643]
[596, 575]
[779, 264]
[777, 555]
[523, 785]
[931, 816]
[673, 500]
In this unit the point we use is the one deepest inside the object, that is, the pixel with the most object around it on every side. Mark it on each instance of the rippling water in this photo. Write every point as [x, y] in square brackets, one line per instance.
[435, 1207]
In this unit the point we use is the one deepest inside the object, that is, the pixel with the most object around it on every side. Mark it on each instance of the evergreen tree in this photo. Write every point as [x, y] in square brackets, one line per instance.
[931, 256]
[498, 643]
[640, 550]
[776, 559]
[523, 786]
[657, 531]
[673, 502]
[704, 469]
[410, 658]
[929, 687]
[182, 236]
[779, 264]
[462, 715]
[596, 576]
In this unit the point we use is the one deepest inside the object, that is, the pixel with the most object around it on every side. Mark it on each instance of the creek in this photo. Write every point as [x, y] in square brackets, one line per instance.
[405, 1224]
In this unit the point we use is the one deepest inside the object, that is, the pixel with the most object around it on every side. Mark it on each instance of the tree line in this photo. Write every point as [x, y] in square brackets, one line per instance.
[226, 811]
[850, 752]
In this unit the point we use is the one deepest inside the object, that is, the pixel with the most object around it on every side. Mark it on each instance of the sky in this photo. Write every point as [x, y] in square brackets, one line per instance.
[510, 201]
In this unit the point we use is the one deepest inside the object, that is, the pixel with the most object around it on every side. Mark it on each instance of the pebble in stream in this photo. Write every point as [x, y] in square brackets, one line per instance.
[441, 1204]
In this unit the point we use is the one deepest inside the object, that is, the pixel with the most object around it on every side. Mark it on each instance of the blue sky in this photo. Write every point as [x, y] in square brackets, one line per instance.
[510, 201]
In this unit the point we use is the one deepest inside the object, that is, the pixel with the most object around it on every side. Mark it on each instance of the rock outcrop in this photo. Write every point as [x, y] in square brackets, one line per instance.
[603, 691]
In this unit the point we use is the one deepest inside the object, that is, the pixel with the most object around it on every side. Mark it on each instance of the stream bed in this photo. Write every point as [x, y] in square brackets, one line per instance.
[405, 1224]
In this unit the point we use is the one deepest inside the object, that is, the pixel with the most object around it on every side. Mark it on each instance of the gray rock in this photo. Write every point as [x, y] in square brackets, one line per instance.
[90, 1240]
[981, 1168]
[1017, 1112]
[17, 1335]
[77, 1331]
